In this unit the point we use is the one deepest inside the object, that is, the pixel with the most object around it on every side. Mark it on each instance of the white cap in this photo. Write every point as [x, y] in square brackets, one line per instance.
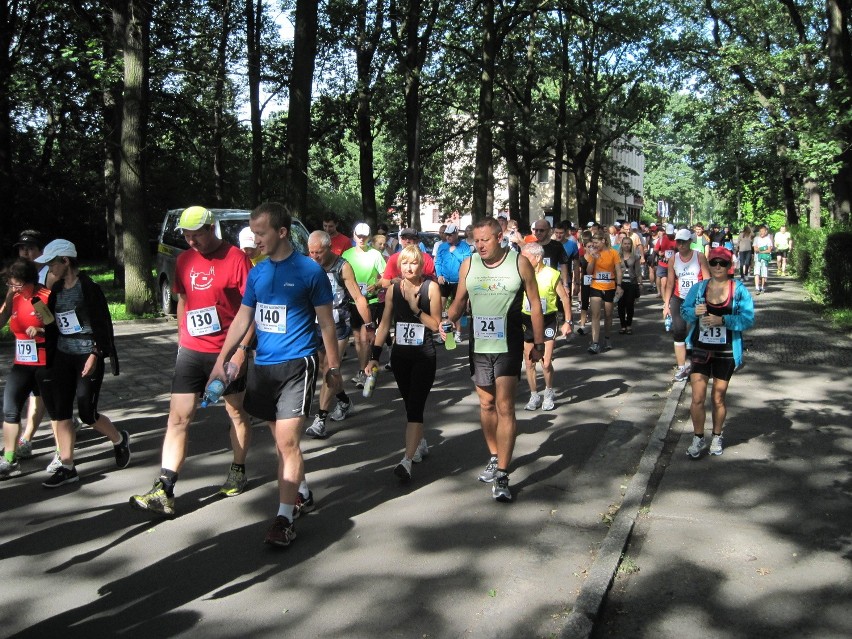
[634, 224]
[362, 229]
[247, 238]
[54, 249]
[590, 225]
[683, 234]
[451, 228]
[670, 230]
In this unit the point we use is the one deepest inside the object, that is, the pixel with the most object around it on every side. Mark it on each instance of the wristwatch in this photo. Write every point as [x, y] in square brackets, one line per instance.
[539, 347]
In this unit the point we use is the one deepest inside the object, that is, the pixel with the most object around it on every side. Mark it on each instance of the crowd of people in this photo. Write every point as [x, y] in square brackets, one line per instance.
[270, 323]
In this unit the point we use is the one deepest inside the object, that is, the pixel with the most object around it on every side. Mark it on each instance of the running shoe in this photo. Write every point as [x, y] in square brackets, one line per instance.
[606, 345]
[61, 477]
[421, 452]
[55, 463]
[683, 372]
[594, 348]
[9, 469]
[534, 403]
[155, 500]
[696, 448]
[403, 469]
[235, 483]
[281, 533]
[359, 379]
[716, 445]
[341, 410]
[317, 429]
[122, 450]
[548, 401]
[458, 337]
[303, 505]
[24, 449]
[500, 490]
[487, 475]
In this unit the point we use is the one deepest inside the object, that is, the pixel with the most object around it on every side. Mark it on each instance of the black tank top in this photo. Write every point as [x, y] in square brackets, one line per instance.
[402, 313]
[719, 339]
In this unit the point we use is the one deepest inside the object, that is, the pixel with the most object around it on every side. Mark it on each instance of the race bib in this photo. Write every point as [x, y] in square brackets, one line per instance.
[587, 280]
[271, 318]
[409, 333]
[488, 327]
[669, 254]
[68, 323]
[25, 351]
[686, 283]
[714, 245]
[603, 276]
[203, 321]
[545, 261]
[363, 288]
[713, 335]
[543, 301]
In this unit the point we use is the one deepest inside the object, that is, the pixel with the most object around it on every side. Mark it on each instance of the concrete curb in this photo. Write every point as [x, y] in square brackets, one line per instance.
[580, 623]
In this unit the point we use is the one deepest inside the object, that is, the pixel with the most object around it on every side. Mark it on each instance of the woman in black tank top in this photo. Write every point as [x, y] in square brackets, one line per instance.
[414, 309]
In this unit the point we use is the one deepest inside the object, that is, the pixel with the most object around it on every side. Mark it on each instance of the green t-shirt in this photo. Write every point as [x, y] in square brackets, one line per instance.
[368, 267]
[495, 302]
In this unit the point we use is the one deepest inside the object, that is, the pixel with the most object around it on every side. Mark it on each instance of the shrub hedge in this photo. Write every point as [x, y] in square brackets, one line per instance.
[822, 259]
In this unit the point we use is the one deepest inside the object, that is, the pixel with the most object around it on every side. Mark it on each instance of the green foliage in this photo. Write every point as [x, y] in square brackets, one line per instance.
[822, 259]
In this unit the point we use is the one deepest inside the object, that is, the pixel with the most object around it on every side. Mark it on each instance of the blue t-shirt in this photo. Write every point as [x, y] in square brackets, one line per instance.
[571, 249]
[284, 295]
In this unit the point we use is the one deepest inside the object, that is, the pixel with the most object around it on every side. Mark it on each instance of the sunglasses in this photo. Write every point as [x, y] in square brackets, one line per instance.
[724, 263]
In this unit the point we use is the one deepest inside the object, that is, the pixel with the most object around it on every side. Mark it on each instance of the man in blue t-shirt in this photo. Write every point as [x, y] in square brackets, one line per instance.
[286, 296]
[449, 257]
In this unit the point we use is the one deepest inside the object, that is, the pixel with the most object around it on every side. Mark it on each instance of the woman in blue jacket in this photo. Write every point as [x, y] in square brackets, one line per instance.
[717, 310]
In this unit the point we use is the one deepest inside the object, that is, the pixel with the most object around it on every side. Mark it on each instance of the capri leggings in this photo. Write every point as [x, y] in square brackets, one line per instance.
[414, 378]
[63, 381]
[20, 382]
[678, 323]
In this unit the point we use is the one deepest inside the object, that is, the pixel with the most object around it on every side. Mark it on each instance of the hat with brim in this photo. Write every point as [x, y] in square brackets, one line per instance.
[408, 233]
[362, 230]
[721, 253]
[56, 248]
[247, 238]
[194, 218]
[29, 238]
[683, 235]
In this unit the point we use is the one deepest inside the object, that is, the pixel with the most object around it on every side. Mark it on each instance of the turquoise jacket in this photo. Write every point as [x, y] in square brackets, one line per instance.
[740, 319]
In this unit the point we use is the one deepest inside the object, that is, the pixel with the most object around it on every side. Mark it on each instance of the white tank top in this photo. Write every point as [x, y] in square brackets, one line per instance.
[686, 273]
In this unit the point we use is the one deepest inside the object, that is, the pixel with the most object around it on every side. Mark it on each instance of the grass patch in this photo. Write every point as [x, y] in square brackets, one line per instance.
[627, 566]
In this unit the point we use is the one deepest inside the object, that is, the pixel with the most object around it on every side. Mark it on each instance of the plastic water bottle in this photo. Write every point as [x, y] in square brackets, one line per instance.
[450, 339]
[668, 323]
[216, 388]
[617, 297]
[370, 382]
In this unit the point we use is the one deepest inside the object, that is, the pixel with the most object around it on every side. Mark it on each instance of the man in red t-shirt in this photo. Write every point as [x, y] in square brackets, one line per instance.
[407, 237]
[210, 279]
[339, 242]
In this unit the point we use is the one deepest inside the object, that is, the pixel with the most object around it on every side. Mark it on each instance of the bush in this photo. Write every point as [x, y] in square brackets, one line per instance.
[823, 261]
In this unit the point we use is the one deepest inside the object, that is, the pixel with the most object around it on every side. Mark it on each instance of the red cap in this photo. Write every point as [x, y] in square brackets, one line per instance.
[721, 253]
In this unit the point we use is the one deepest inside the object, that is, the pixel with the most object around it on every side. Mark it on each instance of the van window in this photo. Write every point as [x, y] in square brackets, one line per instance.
[172, 236]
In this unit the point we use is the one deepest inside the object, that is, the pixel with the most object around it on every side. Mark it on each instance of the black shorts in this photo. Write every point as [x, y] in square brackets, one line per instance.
[550, 328]
[355, 316]
[717, 368]
[281, 391]
[486, 368]
[448, 289]
[782, 252]
[606, 296]
[192, 370]
[20, 383]
[63, 382]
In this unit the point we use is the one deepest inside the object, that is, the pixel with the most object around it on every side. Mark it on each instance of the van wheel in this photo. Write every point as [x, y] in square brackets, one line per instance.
[167, 302]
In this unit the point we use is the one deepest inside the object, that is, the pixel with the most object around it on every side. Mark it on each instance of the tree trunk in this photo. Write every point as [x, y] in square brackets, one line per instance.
[7, 177]
[254, 20]
[485, 114]
[839, 45]
[814, 200]
[366, 48]
[299, 117]
[789, 190]
[219, 103]
[138, 284]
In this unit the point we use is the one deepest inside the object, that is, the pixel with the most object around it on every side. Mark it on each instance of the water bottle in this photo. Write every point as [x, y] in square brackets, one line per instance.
[370, 382]
[450, 339]
[216, 388]
[668, 323]
[617, 297]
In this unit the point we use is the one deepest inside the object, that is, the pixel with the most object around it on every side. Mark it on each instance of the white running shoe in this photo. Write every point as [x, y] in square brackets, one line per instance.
[716, 445]
[317, 429]
[403, 470]
[421, 452]
[683, 372]
[534, 403]
[696, 448]
[340, 411]
[549, 399]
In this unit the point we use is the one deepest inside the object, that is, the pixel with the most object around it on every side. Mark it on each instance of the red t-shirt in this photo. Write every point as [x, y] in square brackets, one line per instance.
[392, 268]
[213, 285]
[23, 316]
[340, 243]
[666, 248]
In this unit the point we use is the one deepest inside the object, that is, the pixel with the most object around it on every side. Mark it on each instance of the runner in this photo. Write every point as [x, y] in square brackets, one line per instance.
[631, 284]
[77, 343]
[248, 247]
[700, 241]
[605, 269]
[19, 310]
[346, 294]
[783, 246]
[368, 266]
[745, 245]
[448, 259]
[763, 256]
[209, 280]
[339, 242]
[665, 248]
[550, 288]
[413, 307]
[495, 279]
[286, 296]
[585, 282]
[686, 268]
[719, 310]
